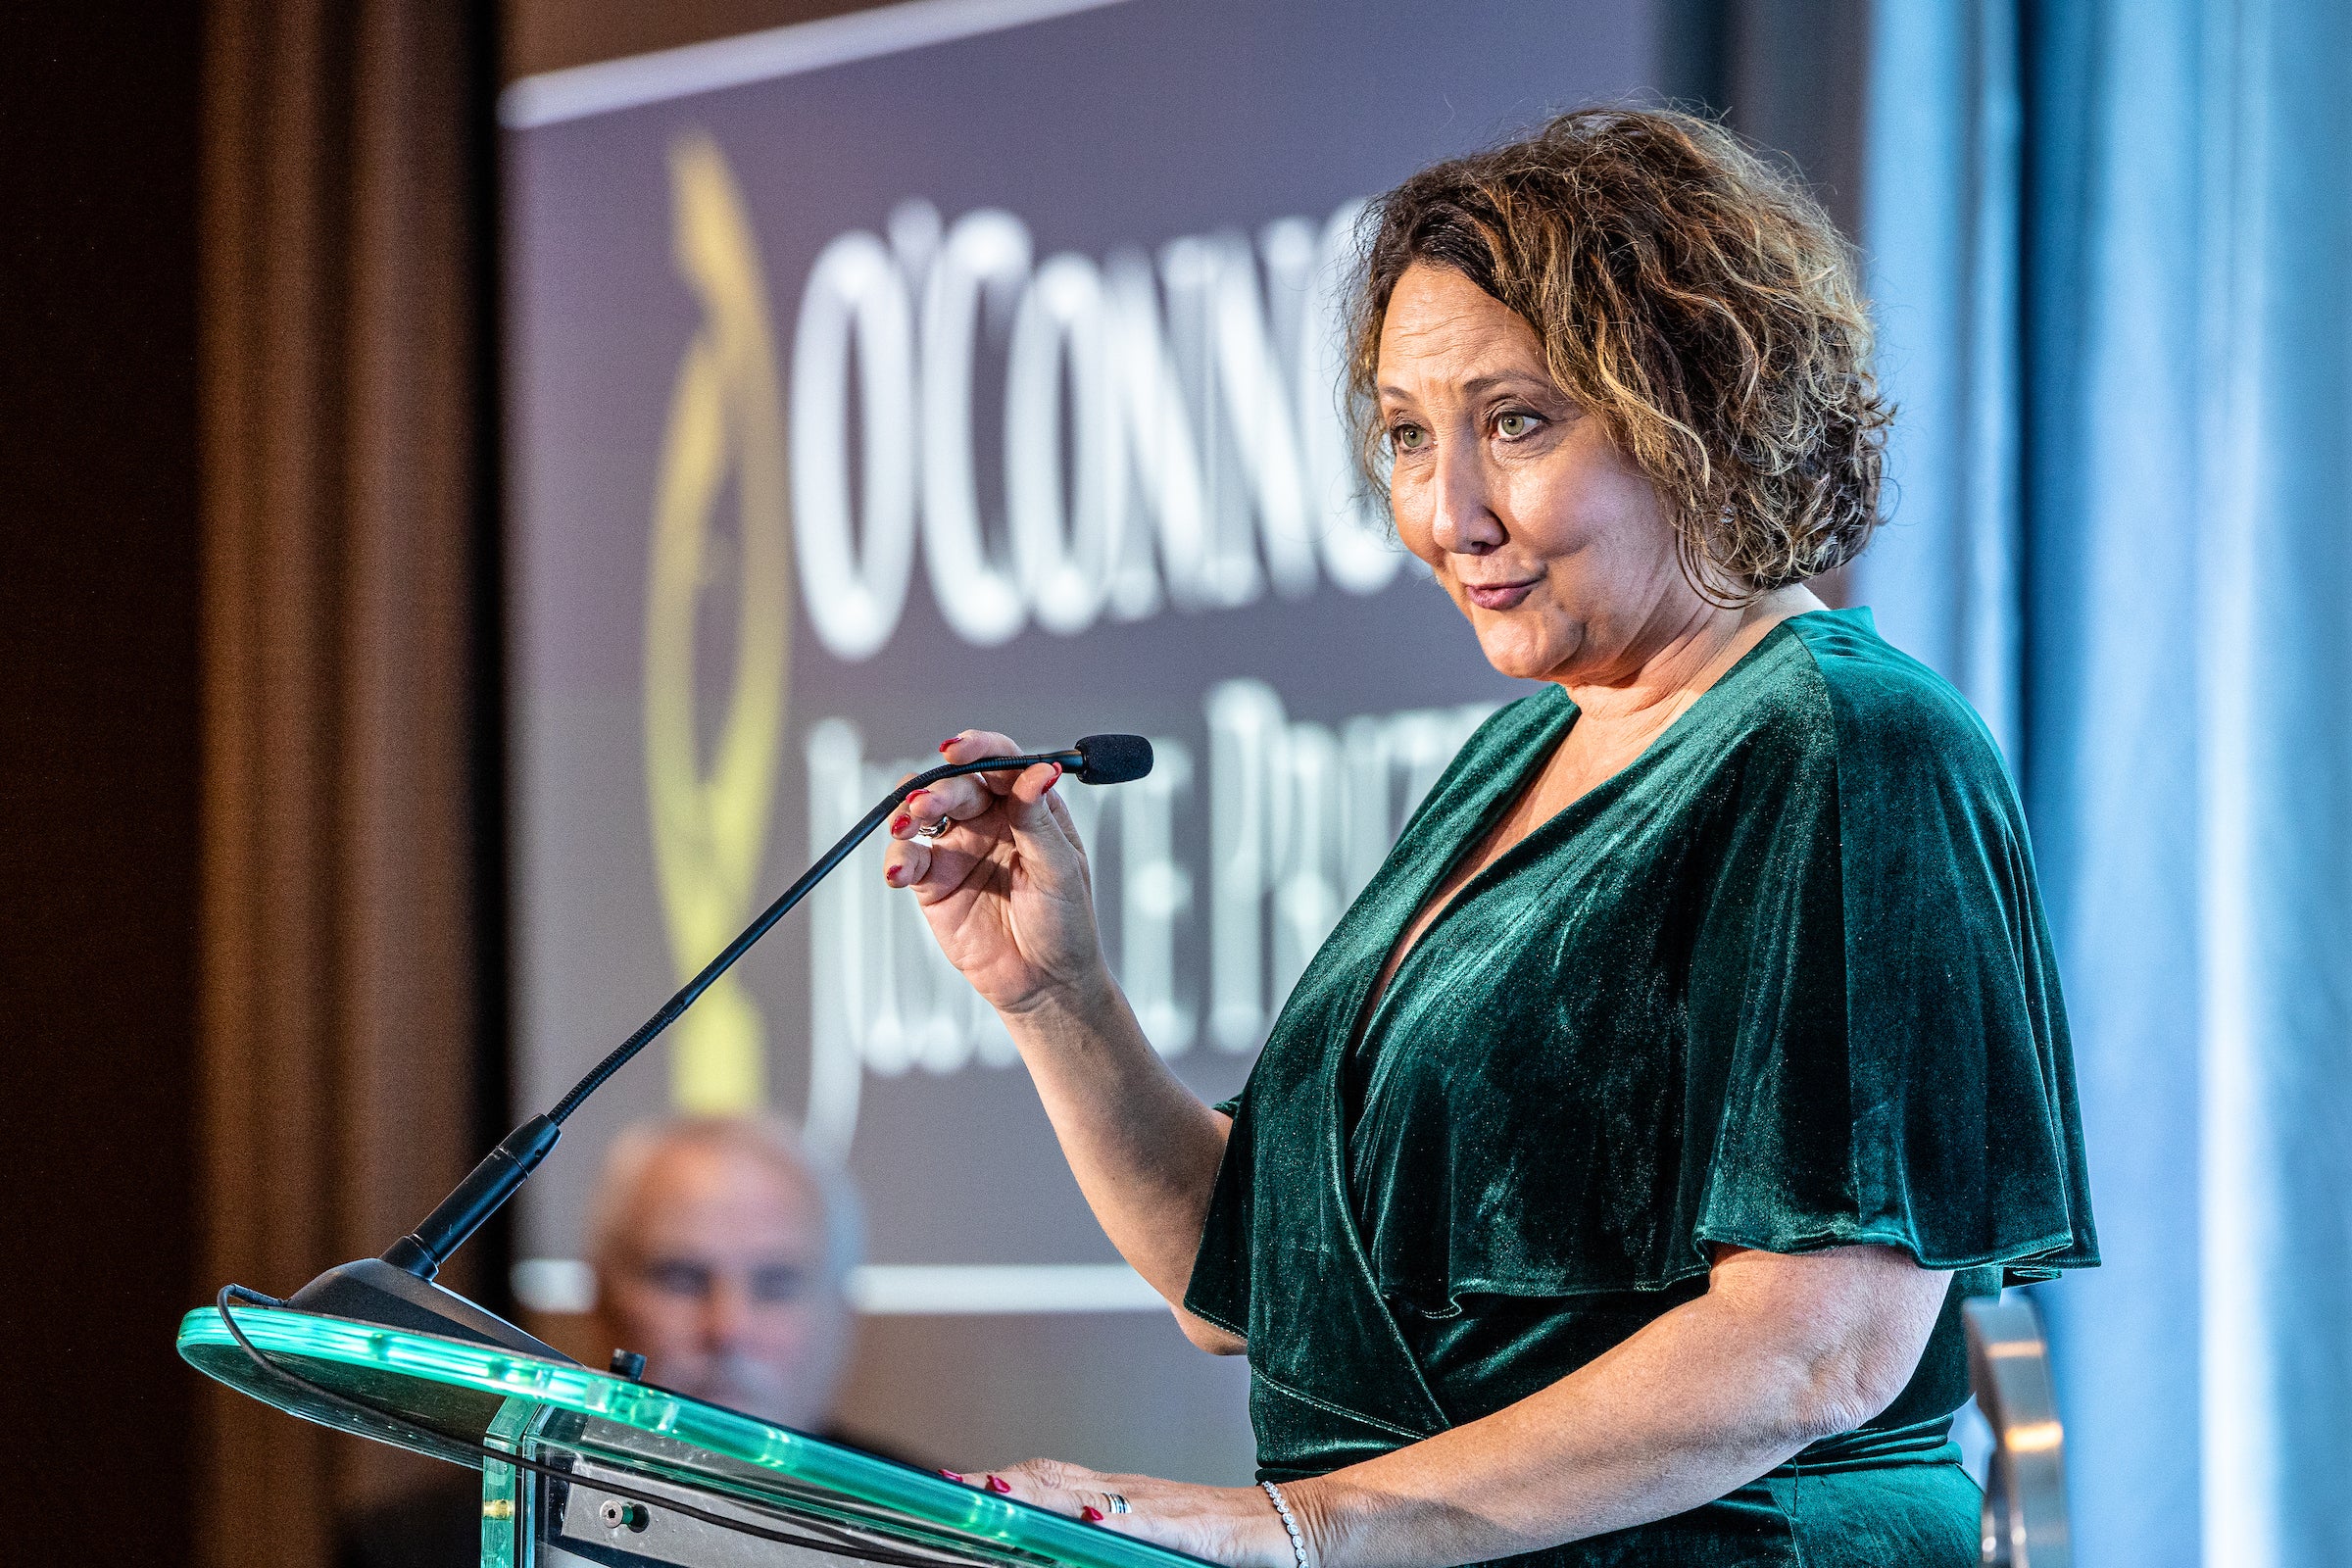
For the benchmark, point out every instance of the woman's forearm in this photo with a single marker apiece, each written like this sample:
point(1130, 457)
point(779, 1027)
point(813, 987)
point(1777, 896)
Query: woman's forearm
point(1144, 1148)
point(1700, 1401)
point(1650, 1430)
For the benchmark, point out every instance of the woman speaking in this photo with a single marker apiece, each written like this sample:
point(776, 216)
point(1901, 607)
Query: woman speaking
point(1609, 1185)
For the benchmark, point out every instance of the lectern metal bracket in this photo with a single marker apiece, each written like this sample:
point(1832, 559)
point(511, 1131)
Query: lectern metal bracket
point(2025, 1489)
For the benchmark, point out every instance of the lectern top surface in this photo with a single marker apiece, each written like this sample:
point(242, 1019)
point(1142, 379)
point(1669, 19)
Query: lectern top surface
point(455, 1391)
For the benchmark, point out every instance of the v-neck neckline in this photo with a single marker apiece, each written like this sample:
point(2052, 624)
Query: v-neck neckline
point(1392, 963)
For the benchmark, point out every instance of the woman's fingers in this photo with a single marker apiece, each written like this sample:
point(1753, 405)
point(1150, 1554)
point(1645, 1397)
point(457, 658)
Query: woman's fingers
point(967, 796)
point(926, 808)
point(928, 813)
point(972, 746)
point(959, 798)
point(905, 862)
point(1025, 798)
point(1230, 1525)
point(1050, 1484)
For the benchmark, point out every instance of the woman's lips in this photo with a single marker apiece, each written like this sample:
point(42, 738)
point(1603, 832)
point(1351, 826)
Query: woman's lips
point(1500, 595)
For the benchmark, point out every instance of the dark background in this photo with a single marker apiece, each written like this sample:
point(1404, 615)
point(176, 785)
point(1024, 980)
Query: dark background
point(100, 709)
point(106, 686)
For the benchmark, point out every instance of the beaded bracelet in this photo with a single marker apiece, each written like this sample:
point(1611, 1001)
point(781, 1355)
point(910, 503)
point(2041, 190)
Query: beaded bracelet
point(1299, 1557)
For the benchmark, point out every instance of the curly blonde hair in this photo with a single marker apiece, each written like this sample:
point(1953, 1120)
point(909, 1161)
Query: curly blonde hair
point(1688, 294)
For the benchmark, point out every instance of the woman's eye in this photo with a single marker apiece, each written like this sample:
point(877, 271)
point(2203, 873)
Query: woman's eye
point(1511, 426)
point(1407, 437)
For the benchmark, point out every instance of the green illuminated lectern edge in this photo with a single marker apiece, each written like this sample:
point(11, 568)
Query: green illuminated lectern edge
point(749, 1479)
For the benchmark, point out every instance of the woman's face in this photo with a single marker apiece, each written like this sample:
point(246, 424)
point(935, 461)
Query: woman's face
point(1551, 542)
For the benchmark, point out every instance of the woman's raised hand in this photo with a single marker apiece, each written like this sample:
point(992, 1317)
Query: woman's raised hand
point(1006, 887)
point(1006, 893)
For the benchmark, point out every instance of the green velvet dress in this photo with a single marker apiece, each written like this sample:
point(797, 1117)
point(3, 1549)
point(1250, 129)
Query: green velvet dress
point(1784, 982)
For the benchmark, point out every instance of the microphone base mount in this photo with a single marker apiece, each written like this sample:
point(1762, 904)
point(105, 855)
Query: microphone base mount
point(373, 1291)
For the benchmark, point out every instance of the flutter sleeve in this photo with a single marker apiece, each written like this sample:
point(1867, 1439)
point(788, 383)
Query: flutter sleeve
point(1879, 1048)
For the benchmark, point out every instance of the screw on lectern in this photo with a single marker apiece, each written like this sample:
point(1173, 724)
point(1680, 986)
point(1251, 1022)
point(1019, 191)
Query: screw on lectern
point(628, 1365)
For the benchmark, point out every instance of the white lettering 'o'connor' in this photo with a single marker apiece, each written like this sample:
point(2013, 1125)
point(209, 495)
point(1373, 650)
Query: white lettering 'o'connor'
point(1171, 428)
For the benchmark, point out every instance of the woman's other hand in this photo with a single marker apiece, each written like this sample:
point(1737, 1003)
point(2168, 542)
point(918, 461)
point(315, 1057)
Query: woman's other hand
point(1231, 1525)
point(1005, 887)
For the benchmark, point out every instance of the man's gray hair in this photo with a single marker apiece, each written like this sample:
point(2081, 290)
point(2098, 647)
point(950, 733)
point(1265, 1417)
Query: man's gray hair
point(761, 1138)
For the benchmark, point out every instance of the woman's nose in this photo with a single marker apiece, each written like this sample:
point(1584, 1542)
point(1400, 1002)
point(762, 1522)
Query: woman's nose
point(1463, 521)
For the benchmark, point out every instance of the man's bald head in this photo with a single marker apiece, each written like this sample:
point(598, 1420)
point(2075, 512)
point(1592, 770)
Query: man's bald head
point(721, 1254)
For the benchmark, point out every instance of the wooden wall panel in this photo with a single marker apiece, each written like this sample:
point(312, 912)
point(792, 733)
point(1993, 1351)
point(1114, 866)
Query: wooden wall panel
point(345, 519)
point(552, 34)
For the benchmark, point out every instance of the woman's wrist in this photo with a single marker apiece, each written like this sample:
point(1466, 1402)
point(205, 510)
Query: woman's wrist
point(1294, 1535)
point(1311, 1503)
point(1081, 1004)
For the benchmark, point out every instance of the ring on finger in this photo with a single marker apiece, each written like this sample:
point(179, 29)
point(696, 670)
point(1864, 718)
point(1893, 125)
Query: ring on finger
point(935, 829)
point(1118, 1504)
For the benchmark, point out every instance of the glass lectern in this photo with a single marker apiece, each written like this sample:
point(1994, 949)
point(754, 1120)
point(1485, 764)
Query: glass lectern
point(641, 1476)
point(615, 1473)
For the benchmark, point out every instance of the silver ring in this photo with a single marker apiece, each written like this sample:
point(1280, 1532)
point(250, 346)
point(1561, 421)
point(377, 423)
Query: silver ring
point(1118, 1504)
point(936, 829)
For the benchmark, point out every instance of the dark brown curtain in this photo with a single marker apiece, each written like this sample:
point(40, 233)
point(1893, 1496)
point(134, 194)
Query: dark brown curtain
point(344, 504)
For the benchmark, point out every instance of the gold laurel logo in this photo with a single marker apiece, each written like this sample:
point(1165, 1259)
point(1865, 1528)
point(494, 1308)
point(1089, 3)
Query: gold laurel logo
point(710, 828)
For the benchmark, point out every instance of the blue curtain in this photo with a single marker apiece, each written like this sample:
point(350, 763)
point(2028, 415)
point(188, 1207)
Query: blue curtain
point(2111, 245)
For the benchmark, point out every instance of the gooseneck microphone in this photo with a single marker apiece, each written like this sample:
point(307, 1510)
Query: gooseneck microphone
point(397, 1291)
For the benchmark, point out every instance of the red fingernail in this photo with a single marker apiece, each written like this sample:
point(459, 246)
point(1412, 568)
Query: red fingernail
point(949, 741)
point(1091, 1514)
point(1056, 775)
point(892, 873)
point(997, 1483)
point(899, 823)
point(951, 1475)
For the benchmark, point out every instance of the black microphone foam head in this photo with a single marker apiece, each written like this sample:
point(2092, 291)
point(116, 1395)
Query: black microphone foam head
point(1113, 759)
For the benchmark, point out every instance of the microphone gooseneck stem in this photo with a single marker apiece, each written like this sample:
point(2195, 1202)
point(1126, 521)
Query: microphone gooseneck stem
point(475, 1200)
point(491, 1183)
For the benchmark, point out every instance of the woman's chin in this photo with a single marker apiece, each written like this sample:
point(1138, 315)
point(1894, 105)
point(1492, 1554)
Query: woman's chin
point(1519, 657)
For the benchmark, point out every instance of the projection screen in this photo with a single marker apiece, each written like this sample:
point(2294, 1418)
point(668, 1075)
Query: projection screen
point(966, 363)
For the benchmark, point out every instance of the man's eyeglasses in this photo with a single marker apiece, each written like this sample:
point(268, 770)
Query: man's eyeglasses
point(766, 1284)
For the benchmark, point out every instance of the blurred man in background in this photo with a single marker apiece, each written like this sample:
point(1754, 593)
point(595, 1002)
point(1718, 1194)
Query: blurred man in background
point(720, 1256)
